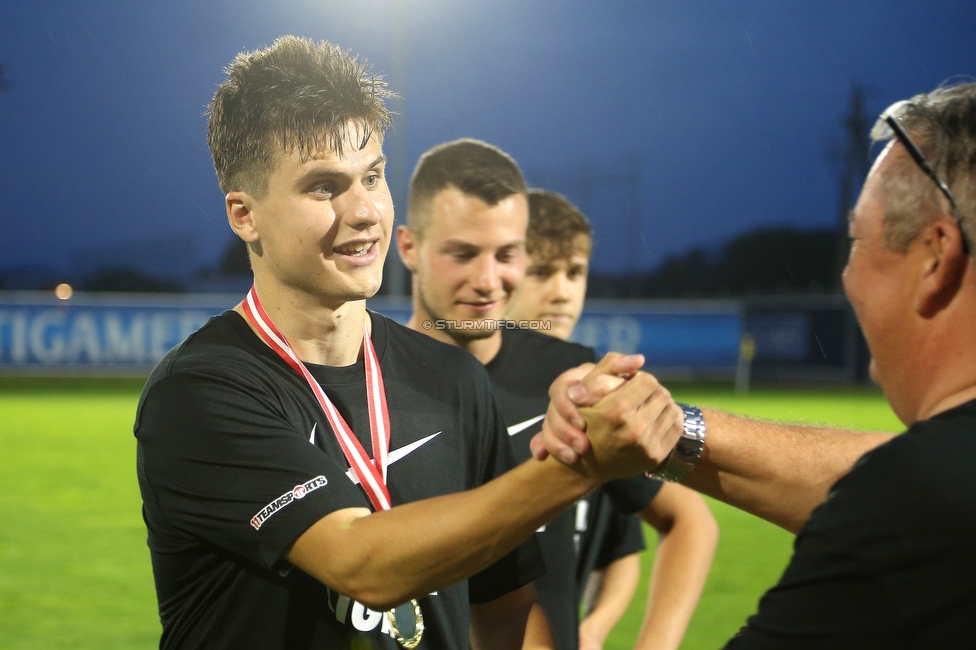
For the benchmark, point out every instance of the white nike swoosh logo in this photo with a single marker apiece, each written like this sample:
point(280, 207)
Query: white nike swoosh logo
point(522, 426)
point(311, 437)
point(398, 454)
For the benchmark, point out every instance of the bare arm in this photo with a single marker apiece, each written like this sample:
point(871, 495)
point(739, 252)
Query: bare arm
point(445, 539)
point(617, 584)
point(501, 623)
point(538, 633)
point(687, 537)
point(779, 472)
point(438, 541)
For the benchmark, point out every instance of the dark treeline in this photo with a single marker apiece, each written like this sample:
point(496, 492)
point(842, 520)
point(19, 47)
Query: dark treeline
point(761, 262)
point(771, 261)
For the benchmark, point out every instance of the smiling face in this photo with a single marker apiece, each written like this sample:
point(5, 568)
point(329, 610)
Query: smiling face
point(881, 286)
point(467, 261)
point(553, 290)
point(322, 229)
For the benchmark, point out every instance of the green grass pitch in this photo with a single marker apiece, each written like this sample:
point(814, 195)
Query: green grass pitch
point(751, 553)
point(74, 568)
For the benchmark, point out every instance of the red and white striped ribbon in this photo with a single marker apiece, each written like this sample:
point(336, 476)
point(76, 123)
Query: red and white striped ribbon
point(371, 472)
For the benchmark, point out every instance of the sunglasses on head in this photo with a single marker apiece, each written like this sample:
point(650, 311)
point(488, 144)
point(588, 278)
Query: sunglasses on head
point(888, 127)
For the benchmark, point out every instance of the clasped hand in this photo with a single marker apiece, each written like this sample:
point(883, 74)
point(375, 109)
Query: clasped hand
point(611, 416)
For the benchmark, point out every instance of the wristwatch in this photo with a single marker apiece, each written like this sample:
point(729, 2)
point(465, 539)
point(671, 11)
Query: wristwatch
point(685, 454)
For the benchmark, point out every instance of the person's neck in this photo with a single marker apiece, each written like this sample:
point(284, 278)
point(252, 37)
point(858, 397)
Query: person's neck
point(947, 384)
point(940, 373)
point(484, 350)
point(957, 398)
point(319, 333)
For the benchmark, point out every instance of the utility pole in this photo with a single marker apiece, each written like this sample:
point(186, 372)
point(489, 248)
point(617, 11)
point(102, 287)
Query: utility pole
point(396, 279)
point(856, 161)
point(635, 288)
point(588, 189)
point(4, 82)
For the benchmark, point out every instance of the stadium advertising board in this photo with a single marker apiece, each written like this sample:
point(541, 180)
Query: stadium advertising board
point(93, 335)
point(127, 334)
point(678, 339)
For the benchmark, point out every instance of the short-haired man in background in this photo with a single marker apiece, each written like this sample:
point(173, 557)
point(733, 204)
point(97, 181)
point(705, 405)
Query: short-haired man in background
point(465, 244)
point(884, 552)
point(306, 465)
point(558, 245)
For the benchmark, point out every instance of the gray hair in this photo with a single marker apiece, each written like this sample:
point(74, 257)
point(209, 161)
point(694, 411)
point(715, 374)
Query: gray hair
point(943, 125)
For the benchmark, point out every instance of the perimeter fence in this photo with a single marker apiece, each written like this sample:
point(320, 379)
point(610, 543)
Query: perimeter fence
point(813, 338)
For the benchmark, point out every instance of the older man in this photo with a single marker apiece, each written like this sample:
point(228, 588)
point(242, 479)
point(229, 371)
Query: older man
point(886, 561)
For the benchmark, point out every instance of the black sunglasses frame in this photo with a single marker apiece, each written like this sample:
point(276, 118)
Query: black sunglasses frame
point(899, 131)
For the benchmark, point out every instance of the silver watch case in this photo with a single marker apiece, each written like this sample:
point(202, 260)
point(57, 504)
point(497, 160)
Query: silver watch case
point(686, 453)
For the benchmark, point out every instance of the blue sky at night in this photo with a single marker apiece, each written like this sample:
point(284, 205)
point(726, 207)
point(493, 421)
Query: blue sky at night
point(687, 121)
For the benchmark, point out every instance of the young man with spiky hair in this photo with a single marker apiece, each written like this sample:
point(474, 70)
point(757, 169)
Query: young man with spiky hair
point(465, 245)
point(313, 474)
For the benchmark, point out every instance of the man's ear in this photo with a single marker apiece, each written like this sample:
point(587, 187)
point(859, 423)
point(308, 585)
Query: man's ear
point(239, 207)
point(407, 242)
point(944, 265)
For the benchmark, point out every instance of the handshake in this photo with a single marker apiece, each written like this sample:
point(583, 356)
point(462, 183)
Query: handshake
point(612, 418)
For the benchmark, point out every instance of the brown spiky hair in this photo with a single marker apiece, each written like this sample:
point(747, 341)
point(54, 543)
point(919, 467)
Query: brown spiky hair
point(557, 228)
point(296, 95)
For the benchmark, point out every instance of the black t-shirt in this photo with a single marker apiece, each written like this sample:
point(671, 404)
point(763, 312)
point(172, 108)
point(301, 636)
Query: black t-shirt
point(236, 460)
point(606, 528)
point(599, 529)
point(887, 561)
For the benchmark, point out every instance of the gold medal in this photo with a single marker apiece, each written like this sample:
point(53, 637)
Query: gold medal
point(407, 624)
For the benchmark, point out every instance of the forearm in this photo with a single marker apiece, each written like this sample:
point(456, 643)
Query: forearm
point(775, 471)
point(681, 563)
point(617, 587)
point(385, 558)
point(388, 557)
point(538, 633)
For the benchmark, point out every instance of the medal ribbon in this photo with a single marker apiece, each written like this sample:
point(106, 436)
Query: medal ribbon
point(371, 472)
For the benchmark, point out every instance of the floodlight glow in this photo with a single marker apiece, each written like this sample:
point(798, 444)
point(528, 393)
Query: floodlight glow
point(63, 291)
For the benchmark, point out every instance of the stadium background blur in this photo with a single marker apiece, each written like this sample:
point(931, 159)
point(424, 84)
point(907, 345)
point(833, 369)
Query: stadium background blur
point(716, 149)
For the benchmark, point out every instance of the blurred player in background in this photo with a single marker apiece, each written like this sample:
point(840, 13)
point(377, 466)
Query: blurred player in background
point(465, 244)
point(558, 245)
